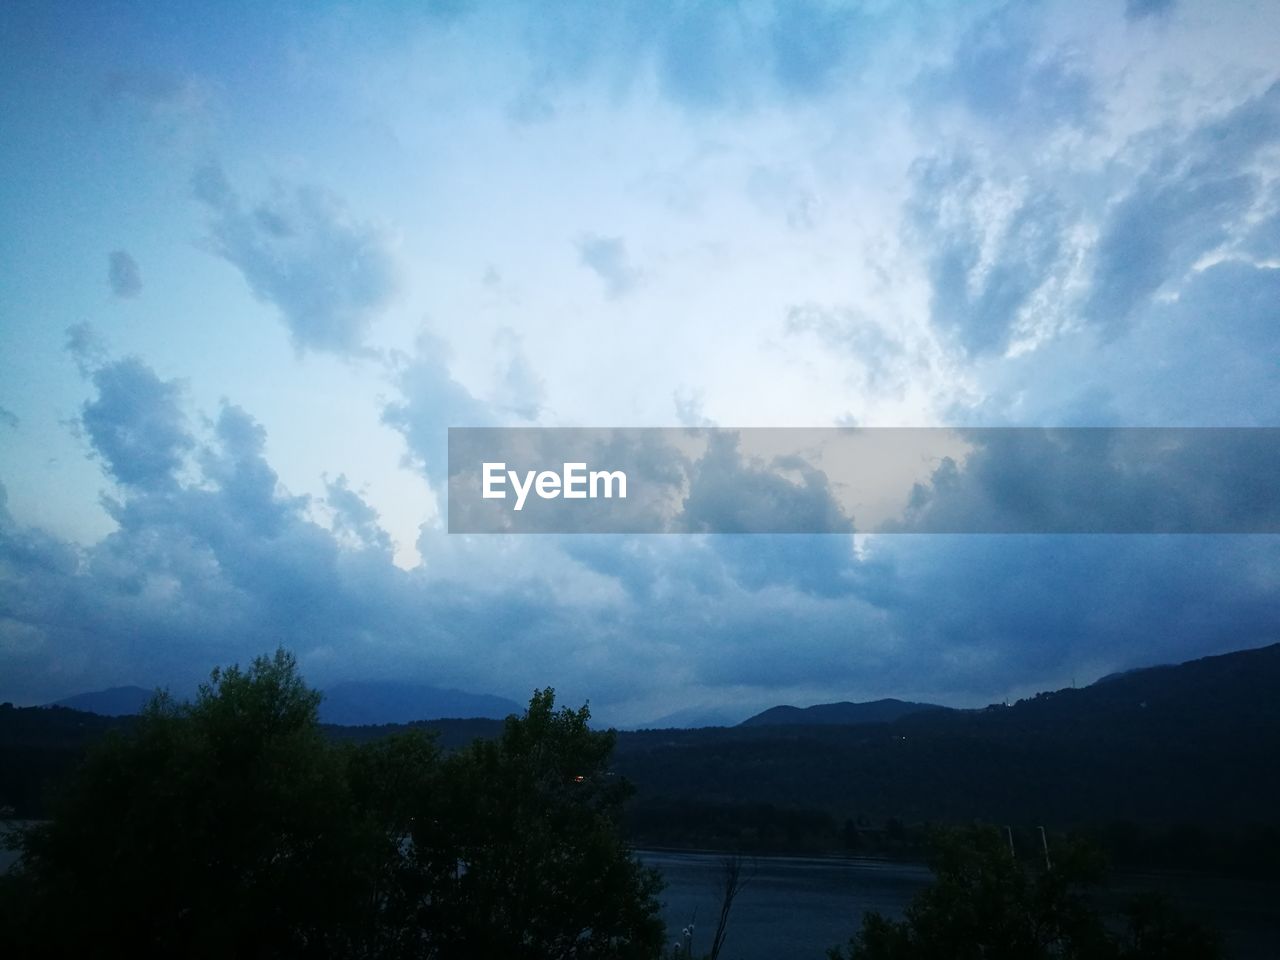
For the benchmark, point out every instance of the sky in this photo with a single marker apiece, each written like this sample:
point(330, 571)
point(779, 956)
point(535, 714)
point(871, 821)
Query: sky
point(258, 258)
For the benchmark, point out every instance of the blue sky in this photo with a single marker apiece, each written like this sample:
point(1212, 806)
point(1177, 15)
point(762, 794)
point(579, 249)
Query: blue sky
point(258, 260)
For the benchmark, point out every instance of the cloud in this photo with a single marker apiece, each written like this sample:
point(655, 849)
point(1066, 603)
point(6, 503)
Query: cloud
point(1104, 481)
point(9, 418)
point(430, 401)
point(607, 258)
point(520, 390)
point(983, 266)
point(1141, 9)
point(136, 424)
point(1206, 358)
point(1000, 74)
point(123, 275)
point(881, 362)
point(703, 57)
point(223, 563)
point(354, 517)
point(328, 274)
point(1190, 201)
point(730, 494)
point(689, 408)
point(86, 348)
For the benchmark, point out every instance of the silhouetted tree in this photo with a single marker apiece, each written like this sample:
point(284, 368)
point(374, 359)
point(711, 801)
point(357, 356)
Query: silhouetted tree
point(985, 904)
point(216, 828)
point(520, 851)
point(230, 827)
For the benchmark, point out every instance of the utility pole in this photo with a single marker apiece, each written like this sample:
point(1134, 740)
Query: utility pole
point(1044, 842)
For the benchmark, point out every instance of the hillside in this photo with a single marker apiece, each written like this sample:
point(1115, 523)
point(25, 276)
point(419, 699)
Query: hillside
point(1193, 744)
point(843, 713)
point(1197, 743)
point(112, 702)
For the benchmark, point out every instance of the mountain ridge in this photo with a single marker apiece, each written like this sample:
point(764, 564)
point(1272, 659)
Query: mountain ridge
point(841, 713)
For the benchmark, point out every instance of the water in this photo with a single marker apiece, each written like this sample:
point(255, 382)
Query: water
point(798, 908)
point(791, 907)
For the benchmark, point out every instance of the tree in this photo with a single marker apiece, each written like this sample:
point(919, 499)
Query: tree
point(215, 828)
point(985, 904)
point(231, 827)
point(521, 848)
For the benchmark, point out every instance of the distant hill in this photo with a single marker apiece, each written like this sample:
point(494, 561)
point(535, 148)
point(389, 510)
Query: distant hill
point(1195, 743)
point(353, 704)
point(693, 717)
point(1198, 742)
point(843, 713)
point(361, 703)
point(112, 702)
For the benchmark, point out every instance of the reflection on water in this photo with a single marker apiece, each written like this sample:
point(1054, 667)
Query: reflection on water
point(792, 907)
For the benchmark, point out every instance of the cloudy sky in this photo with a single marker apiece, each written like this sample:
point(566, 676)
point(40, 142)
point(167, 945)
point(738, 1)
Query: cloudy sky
point(257, 261)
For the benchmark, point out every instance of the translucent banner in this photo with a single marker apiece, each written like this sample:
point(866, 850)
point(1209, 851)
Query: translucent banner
point(867, 480)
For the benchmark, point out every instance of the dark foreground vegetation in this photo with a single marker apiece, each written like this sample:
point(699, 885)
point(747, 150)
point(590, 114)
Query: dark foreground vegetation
point(237, 825)
point(231, 827)
point(985, 904)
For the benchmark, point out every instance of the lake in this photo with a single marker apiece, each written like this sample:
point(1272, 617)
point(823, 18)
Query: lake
point(792, 906)
point(798, 907)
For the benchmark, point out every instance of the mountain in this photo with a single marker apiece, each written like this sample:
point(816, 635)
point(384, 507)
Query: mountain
point(843, 713)
point(1193, 743)
point(360, 703)
point(112, 702)
point(690, 718)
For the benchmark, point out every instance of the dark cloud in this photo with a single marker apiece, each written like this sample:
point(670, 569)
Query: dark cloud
point(607, 258)
point(1135, 480)
point(328, 274)
point(227, 564)
point(730, 494)
point(431, 402)
point(1206, 358)
point(123, 275)
point(981, 274)
point(354, 517)
point(136, 424)
point(1190, 200)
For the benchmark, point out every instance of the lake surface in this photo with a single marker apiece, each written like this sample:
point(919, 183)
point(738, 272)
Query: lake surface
point(792, 906)
point(798, 908)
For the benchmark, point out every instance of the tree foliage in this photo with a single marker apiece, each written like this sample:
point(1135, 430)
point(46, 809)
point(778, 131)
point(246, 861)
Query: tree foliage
point(986, 905)
point(231, 827)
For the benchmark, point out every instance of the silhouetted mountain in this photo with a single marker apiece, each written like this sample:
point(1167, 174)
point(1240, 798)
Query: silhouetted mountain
point(1192, 744)
point(113, 702)
point(1197, 743)
point(359, 703)
point(692, 718)
point(843, 713)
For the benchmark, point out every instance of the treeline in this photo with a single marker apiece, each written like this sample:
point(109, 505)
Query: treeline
point(235, 825)
point(232, 826)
